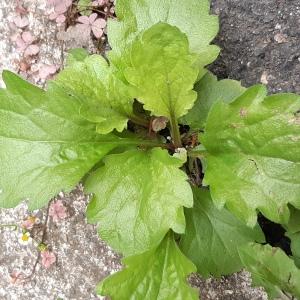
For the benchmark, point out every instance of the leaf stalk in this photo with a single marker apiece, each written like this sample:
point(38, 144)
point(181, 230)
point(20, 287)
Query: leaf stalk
point(139, 120)
point(175, 133)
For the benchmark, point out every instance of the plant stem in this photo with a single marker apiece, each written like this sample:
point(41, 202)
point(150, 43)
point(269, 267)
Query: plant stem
point(195, 154)
point(175, 133)
point(42, 241)
point(9, 225)
point(139, 120)
point(198, 152)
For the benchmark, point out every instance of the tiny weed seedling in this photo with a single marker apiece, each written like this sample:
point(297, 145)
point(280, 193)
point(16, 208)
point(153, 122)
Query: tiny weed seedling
point(179, 164)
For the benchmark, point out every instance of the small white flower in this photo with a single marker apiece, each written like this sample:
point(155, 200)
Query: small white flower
point(25, 238)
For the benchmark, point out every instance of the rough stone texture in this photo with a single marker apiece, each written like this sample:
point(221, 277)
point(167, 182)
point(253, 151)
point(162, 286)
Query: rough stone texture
point(82, 258)
point(260, 43)
point(41, 28)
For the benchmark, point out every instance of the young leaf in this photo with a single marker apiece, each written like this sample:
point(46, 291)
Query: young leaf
point(253, 160)
point(135, 16)
point(209, 91)
point(45, 146)
point(83, 5)
point(213, 236)
point(138, 196)
point(105, 99)
point(161, 68)
point(159, 274)
point(272, 269)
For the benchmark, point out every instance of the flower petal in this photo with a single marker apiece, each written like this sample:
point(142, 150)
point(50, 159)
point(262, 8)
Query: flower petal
point(47, 70)
point(100, 23)
point(60, 8)
point(92, 18)
point(98, 32)
point(48, 258)
point(21, 22)
point(57, 210)
point(84, 20)
point(27, 37)
point(21, 45)
point(68, 3)
point(32, 50)
point(60, 19)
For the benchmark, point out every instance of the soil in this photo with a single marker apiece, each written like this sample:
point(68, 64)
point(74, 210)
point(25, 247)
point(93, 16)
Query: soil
point(259, 42)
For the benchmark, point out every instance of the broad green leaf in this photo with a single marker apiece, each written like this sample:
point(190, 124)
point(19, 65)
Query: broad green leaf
point(293, 232)
point(162, 70)
point(209, 91)
point(159, 274)
point(104, 99)
point(293, 225)
point(295, 246)
point(253, 160)
point(45, 145)
point(138, 196)
point(213, 236)
point(190, 16)
point(76, 55)
point(272, 269)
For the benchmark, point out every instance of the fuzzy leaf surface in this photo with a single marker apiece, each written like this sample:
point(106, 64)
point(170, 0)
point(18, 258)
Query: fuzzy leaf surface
point(159, 274)
point(104, 99)
point(209, 91)
point(272, 269)
point(253, 160)
point(45, 145)
point(138, 197)
point(135, 16)
point(161, 68)
point(213, 236)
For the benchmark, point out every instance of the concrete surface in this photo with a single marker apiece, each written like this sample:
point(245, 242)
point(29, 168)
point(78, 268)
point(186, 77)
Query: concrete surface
point(260, 41)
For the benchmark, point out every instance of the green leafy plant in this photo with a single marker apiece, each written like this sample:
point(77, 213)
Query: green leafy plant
point(172, 205)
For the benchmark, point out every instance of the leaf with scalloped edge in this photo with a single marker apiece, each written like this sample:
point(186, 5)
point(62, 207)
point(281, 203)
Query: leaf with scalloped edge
point(138, 196)
point(272, 269)
point(295, 246)
point(104, 98)
point(293, 224)
point(192, 17)
point(253, 154)
point(213, 236)
point(161, 68)
point(159, 274)
point(293, 233)
point(76, 55)
point(45, 145)
point(210, 90)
